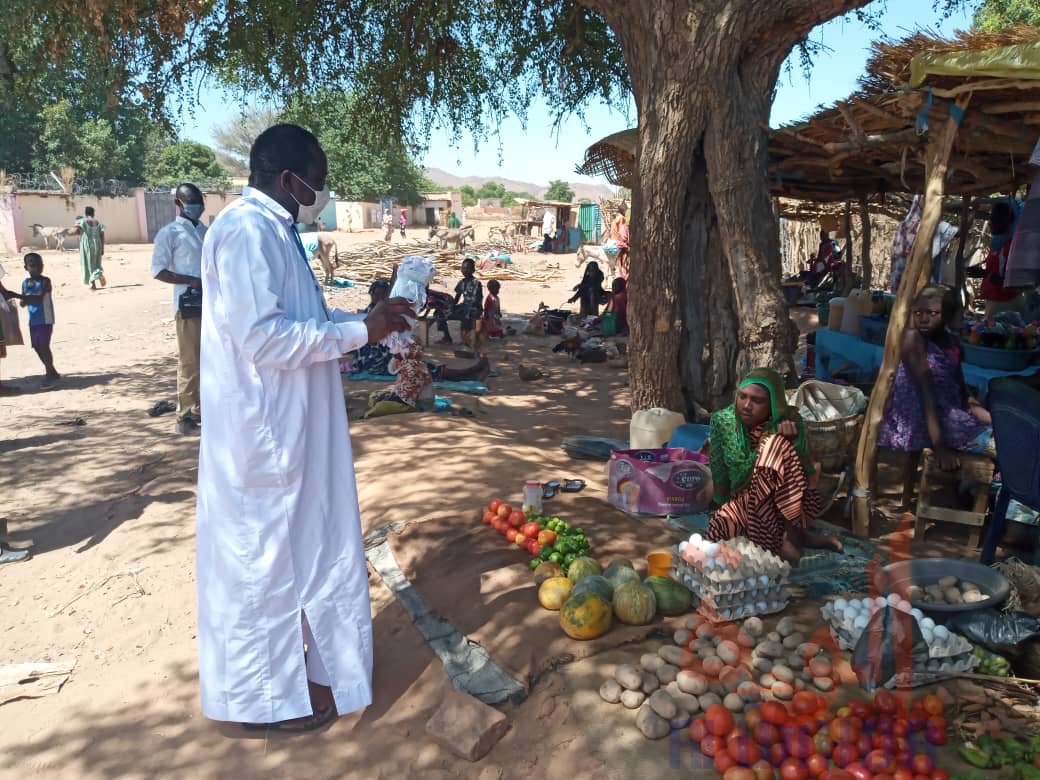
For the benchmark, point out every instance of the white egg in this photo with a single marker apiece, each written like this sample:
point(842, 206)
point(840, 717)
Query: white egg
point(929, 638)
point(696, 539)
point(941, 633)
point(840, 603)
point(892, 599)
point(711, 547)
point(917, 613)
point(682, 546)
point(879, 601)
point(927, 623)
point(904, 606)
point(860, 623)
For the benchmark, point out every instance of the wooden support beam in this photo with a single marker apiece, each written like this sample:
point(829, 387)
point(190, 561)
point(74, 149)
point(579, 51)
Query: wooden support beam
point(864, 234)
point(857, 129)
point(874, 139)
point(895, 119)
point(963, 229)
point(847, 285)
point(918, 266)
point(980, 86)
point(1014, 107)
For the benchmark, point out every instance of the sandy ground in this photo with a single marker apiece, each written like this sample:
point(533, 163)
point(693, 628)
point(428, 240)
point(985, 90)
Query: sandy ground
point(110, 507)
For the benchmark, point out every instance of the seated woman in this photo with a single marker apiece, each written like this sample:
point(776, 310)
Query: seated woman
point(760, 465)
point(618, 304)
point(929, 405)
point(589, 290)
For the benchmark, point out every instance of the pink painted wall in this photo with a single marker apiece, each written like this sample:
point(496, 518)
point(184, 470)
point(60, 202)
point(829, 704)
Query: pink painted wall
point(9, 223)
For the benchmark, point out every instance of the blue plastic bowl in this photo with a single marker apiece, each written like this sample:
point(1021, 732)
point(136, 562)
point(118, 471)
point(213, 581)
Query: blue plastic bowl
point(1000, 359)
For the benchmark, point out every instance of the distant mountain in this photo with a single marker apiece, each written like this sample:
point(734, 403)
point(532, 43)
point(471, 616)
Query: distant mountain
point(593, 192)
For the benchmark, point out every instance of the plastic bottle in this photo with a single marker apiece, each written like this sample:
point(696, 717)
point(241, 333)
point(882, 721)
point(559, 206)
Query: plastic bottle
point(857, 305)
point(532, 496)
point(652, 428)
point(837, 313)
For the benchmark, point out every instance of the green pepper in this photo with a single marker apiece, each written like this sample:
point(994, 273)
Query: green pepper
point(976, 756)
point(1026, 772)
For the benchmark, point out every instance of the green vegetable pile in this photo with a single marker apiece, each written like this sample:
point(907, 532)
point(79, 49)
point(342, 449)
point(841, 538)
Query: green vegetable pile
point(1020, 755)
point(991, 663)
point(570, 542)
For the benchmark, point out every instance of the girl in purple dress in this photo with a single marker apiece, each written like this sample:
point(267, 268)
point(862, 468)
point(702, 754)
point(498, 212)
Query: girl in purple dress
point(929, 405)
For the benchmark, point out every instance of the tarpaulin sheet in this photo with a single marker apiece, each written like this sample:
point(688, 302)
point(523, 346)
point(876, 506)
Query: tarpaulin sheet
point(1021, 61)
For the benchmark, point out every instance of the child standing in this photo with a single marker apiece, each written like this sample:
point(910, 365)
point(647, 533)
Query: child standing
point(36, 297)
point(491, 322)
point(466, 307)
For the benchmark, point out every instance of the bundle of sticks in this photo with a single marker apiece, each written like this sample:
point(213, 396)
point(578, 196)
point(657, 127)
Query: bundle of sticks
point(998, 706)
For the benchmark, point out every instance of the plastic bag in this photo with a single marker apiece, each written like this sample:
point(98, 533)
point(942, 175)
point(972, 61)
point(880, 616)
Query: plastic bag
point(891, 644)
point(998, 632)
point(592, 447)
point(414, 275)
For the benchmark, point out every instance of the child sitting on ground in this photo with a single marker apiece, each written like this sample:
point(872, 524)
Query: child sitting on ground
point(619, 305)
point(36, 296)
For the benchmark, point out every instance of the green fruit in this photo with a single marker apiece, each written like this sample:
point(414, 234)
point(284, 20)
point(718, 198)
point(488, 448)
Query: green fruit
point(556, 557)
point(545, 553)
point(568, 559)
point(634, 603)
point(534, 563)
point(672, 597)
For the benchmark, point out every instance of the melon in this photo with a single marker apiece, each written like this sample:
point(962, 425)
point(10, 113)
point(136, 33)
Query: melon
point(586, 616)
point(548, 569)
point(634, 603)
point(595, 584)
point(672, 597)
point(583, 567)
point(554, 592)
point(620, 571)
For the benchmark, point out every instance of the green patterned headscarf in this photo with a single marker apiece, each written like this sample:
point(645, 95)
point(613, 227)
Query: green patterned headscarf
point(733, 454)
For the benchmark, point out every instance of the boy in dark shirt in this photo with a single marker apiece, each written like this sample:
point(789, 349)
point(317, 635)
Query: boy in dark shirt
point(467, 306)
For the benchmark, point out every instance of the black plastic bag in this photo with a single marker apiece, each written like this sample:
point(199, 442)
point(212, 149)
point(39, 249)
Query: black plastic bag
point(891, 644)
point(998, 632)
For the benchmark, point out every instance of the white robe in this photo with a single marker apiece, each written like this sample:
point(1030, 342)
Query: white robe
point(279, 532)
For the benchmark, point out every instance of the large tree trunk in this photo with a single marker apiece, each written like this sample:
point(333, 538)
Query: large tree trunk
point(705, 297)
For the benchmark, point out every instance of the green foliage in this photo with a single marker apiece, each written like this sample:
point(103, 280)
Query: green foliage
point(559, 190)
point(363, 165)
point(998, 14)
point(90, 147)
point(469, 195)
point(491, 189)
point(187, 161)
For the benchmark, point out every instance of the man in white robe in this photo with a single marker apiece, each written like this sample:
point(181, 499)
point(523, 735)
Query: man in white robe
point(280, 554)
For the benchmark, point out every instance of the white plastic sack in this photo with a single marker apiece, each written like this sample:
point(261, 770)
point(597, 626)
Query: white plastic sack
point(818, 401)
point(414, 275)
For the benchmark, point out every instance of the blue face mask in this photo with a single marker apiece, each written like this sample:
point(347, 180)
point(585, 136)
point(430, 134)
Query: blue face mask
point(193, 211)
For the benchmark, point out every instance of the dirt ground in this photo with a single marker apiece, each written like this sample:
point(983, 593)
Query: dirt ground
point(107, 494)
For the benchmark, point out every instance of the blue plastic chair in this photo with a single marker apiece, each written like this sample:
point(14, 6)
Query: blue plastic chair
point(1016, 429)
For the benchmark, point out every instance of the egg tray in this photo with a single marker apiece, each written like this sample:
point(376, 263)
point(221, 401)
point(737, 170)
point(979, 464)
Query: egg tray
point(709, 612)
point(773, 568)
point(847, 636)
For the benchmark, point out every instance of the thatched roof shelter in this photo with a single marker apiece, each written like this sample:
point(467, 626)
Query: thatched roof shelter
point(873, 141)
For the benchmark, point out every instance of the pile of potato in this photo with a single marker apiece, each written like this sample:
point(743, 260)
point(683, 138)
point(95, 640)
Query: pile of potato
point(948, 590)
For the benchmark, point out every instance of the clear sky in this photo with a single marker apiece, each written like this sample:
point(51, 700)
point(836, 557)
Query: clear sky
point(537, 154)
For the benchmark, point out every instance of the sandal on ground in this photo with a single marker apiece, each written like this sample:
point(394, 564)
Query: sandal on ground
point(162, 407)
point(550, 488)
point(297, 725)
point(573, 485)
point(7, 555)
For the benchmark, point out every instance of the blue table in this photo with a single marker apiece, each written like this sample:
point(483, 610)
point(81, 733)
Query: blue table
point(835, 349)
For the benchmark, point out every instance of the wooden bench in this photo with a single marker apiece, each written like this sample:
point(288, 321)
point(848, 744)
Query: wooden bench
point(975, 470)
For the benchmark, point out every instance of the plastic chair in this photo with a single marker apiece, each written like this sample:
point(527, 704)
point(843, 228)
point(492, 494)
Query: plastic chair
point(1016, 429)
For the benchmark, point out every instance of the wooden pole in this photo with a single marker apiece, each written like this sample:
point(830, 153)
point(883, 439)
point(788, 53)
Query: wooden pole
point(963, 229)
point(864, 226)
point(847, 286)
point(918, 268)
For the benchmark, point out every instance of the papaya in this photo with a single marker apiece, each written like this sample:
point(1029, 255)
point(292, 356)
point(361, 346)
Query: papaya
point(554, 592)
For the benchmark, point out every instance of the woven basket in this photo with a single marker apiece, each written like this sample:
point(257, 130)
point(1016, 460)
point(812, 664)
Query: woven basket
point(832, 441)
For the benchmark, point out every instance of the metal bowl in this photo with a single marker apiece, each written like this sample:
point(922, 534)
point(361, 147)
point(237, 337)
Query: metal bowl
point(928, 571)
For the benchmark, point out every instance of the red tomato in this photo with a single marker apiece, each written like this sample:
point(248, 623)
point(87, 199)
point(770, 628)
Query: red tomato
point(939, 774)
point(807, 724)
point(519, 539)
point(489, 516)
point(744, 749)
point(777, 754)
point(511, 534)
point(858, 771)
point(901, 727)
point(836, 774)
point(878, 761)
point(804, 702)
point(845, 754)
point(886, 742)
point(765, 733)
point(843, 730)
point(933, 705)
point(884, 702)
point(793, 769)
point(719, 720)
point(922, 764)
point(903, 774)
point(504, 511)
point(698, 730)
point(861, 709)
point(882, 776)
point(711, 745)
point(531, 530)
point(516, 519)
point(774, 712)
point(866, 743)
point(724, 761)
point(547, 537)
point(494, 505)
point(935, 731)
point(763, 770)
point(740, 773)
point(921, 777)
point(817, 765)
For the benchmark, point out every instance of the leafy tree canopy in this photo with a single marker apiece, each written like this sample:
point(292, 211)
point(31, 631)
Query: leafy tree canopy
point(998, 14)
point(559, 190)
point(187, 161)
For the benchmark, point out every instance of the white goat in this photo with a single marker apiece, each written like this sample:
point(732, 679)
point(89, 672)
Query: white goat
point(59, 234)
point(588, 252)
